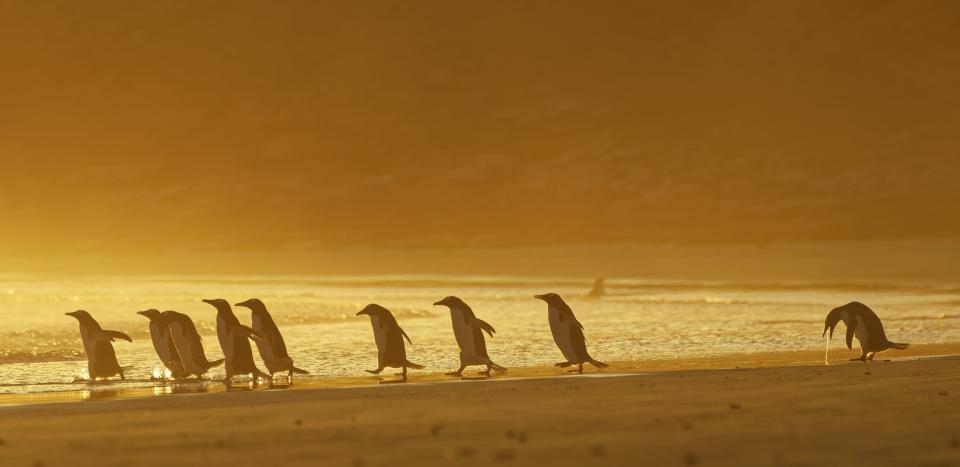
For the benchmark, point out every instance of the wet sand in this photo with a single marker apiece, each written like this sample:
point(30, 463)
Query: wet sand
point(901, 412)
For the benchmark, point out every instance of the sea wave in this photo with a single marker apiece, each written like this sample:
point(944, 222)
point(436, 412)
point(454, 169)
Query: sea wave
point(58, 355)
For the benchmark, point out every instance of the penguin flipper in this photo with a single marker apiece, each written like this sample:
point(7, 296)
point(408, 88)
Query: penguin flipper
point(215, 363)
point(850, 333)
point(111, 336)
point(405, 335)
point(249, 332)
point(597, 363)
point(485, 326)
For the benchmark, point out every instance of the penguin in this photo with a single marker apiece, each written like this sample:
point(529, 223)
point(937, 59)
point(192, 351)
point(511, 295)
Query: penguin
point(233, 340)
point(163, 343)
point(389, 338)
point(189, 344)
point(97, 344)
point(468, 330)
point(568, 333)
point(272, 349)
point(598, 290)
point(863, 323)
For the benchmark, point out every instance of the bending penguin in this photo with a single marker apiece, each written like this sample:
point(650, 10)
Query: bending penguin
point(863, 323)
point(189, 344)
point(97, 344)
point(568, 333)
point(272, 349)
point(468, 330)
point(233, 340)
point(388, 335)
point(163, 343)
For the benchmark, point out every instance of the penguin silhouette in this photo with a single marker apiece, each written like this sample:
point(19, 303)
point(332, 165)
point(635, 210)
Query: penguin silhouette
point(97, 344)
point(189, 344)
point(468, 330)
point(388, 335)
point(163, 343)
point(599, 289)
point(568, 333)
point(272, 349)
point(863, 323)
point(233, 337)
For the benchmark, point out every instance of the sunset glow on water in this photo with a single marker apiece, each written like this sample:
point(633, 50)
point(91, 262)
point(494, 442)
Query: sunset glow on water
point(637, 319)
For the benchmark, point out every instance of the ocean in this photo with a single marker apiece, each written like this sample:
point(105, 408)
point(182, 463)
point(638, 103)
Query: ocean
point(638, 319)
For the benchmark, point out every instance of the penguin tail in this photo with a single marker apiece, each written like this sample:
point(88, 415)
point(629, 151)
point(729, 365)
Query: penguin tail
point(495, 367)
point(299, 371)
point(597, 364)
point(898, 346)
point(410, 364)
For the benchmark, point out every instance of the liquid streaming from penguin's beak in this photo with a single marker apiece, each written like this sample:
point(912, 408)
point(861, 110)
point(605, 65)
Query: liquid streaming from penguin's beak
point(826, 353)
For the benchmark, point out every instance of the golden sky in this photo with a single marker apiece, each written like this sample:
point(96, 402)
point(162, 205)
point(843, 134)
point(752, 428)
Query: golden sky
point(197, 125)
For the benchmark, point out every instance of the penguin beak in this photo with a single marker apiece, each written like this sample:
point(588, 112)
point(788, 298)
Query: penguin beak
point(208, 301)
point(363, 312)
point(540, 297)
point(72, 313)
point(438, 303)
point(142, 313)
point(244, 304)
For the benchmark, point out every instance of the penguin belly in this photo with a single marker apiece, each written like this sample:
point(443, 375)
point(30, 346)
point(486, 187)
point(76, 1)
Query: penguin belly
point(227, 345)
point(273, 360)
point(561, 335)
point(163, 344)
point(98, 356)
point(467, 340)
point(105, 364)
point(187, 349)
point(863, 336)
point(390, 350)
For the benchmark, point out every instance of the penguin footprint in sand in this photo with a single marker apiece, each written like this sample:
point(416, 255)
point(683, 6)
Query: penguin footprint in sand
point(97, 344)
point(468, 330)
point(388, 335)
point(272, 349)
point(568, 333)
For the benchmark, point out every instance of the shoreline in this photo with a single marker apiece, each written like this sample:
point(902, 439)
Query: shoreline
point(898, 412)
point(115, 390)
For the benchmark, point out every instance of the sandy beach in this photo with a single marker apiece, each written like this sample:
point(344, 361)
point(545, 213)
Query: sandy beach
point(778, 409)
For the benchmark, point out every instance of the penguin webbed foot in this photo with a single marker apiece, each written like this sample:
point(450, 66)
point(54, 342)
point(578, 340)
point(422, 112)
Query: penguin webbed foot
point(454, 373)
point(374, 372)
point(562, 364)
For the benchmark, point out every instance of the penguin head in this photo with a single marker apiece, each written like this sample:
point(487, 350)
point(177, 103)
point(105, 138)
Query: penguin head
point(218, 303)
point(373, 309)
point(171, 317)
point(551, 298)
point(152, 314)
point(254, 304)
point(831, 322)
point(81, 315)
point(452, 302)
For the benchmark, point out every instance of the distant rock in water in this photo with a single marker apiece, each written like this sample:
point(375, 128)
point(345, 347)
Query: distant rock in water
point(598, 290)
